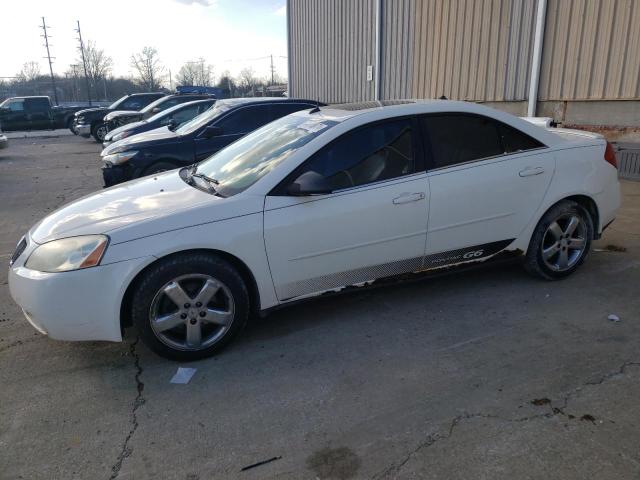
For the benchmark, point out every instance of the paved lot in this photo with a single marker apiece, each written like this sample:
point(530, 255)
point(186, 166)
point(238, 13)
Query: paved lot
point(488, 374)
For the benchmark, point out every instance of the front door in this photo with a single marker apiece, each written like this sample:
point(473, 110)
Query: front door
point(372, 225)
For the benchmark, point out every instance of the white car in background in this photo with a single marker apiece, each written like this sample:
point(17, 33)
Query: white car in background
point(313, 202)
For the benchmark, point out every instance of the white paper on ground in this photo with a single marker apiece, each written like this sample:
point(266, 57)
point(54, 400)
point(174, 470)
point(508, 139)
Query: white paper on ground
point(183, 375)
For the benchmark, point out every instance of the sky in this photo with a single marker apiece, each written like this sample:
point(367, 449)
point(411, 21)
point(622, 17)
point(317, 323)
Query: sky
point(229, 34)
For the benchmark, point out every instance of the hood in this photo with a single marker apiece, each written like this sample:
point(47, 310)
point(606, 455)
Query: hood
point(121, 113)
point(128, 126)
point(130, 204)
point(157, 136)
point(88, 111)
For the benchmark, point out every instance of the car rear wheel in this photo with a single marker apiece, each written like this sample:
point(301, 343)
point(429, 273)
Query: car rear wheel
point(99, 132)
point(189, 306)
point(560, 242)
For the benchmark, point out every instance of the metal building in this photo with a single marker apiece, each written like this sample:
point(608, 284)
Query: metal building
point(577, 60)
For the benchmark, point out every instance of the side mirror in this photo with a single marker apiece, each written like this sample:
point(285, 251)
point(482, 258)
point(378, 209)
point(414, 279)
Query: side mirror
point(212, 131)
point(309, 183)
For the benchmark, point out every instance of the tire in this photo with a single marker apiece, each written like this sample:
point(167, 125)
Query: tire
point(159, 167)
point(99, 131)
point(156, 296)
point(559, 245)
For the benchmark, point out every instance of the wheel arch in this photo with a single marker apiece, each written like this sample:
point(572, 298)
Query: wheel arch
point(170, 160)
point(237, 263)
point(591, 207)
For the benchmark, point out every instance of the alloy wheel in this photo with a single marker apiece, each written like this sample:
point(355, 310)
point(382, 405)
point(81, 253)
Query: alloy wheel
point(192, 312)
point(564, 242)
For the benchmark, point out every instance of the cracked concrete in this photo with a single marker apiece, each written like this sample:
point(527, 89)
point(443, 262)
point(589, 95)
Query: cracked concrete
point(434, 379)
point(137, 403)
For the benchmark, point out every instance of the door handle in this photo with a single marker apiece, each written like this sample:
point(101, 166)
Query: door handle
point(408, 197)
point(529, 171)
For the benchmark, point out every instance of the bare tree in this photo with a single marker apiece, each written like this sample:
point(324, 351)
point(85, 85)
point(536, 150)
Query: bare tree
point(149, 70)
point(226, 82)
point(99, 64)
point(29, 72)
point(247, 78)
point(196, 73)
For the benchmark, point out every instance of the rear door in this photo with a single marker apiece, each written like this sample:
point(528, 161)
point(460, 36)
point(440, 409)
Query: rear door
point(487, 180)
point(373, 223)
point(39, 113)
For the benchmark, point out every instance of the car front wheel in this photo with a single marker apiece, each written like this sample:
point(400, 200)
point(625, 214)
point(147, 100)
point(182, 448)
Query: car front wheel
point(189, 306)
point(99, 132)
point(560, 242)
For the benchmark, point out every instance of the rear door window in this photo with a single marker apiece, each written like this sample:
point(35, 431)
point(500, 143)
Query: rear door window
point(516, 141)
point(245, 120)
point(456, 138)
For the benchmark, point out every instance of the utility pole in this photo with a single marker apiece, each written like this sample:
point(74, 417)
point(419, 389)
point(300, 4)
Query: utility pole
point(84, 62)
point(273, 71)
point(46, 44)
point(76, 94)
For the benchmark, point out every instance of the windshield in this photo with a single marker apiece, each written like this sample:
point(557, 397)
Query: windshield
point(163, 113)
point(115, 104)
point(194, 124)
point(244, 162)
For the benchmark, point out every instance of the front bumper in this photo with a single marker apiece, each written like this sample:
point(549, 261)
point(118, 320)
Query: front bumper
point(117, 174)
point(77, 305)
point(83, 130)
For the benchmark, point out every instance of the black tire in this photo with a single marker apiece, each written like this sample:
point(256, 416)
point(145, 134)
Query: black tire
point(159, 167)
point(99, 131)
point(563, 211)
point(170, 269)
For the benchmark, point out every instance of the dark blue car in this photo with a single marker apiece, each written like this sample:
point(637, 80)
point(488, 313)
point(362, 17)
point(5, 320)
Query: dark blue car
point(172, 117)
point(166, 148)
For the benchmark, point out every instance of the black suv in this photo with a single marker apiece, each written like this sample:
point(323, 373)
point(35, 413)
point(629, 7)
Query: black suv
point(89, 122)
point(165, 149)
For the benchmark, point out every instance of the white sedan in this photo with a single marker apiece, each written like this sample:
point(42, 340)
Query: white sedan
point(312, 203)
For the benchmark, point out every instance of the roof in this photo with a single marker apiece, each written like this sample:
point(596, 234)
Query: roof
point(249, 100)
point(368, 105)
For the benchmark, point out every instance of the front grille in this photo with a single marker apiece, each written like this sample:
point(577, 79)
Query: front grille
point(22, 244)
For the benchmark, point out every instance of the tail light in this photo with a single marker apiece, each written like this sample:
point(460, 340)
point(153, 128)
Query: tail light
point(610, 155)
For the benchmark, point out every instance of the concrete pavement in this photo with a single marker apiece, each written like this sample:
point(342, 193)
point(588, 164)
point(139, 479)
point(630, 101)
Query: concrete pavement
point(486, 374)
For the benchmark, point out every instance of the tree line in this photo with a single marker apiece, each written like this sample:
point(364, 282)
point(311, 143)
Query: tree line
point(148, 74)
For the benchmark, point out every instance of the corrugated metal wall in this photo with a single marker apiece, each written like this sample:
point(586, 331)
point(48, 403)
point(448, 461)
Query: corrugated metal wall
point(331, 44)
point(473, 49)
point(397, 48)
point(591, 50)
point(478, 50)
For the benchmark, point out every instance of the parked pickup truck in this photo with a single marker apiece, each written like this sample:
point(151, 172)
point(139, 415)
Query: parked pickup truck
point(90, 121)
point(35, 113)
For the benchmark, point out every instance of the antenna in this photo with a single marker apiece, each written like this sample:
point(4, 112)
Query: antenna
point(46, 44)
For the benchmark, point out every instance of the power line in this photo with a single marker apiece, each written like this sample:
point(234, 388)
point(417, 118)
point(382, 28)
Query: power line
point(46, 44)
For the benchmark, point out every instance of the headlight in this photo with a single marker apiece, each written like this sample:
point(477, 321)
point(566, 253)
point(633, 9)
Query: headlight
point(68, 254)
point(119, 158)
point(120, 136)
